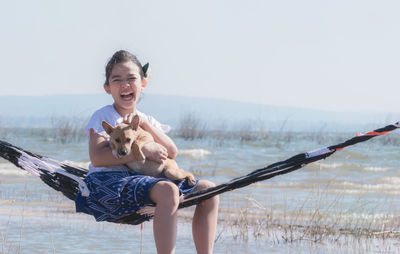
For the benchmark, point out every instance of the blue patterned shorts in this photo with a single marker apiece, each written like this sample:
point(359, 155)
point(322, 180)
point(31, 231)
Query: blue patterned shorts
point(117, 194)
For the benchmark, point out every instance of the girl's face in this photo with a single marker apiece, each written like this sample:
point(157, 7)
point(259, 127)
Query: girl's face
point(125, 85)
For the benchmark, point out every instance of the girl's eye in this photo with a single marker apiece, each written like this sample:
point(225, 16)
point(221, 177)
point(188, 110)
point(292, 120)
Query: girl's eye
point(128, 140)
point(118, 140)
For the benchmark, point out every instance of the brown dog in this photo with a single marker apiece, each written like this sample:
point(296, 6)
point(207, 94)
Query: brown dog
point(127, 138)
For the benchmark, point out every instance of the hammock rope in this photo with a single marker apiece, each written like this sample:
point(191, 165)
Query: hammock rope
point(68, 179)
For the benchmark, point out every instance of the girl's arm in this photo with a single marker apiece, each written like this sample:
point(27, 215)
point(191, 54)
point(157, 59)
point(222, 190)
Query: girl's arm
point(100, 152)
point(160, 138)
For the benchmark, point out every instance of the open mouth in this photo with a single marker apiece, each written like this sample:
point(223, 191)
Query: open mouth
point(127, 96)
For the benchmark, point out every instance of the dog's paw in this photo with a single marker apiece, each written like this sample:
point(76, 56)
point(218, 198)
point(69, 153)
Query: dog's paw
point(190, 179)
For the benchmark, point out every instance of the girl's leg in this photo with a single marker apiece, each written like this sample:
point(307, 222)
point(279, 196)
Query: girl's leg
point(166, 196)
point(205, 221)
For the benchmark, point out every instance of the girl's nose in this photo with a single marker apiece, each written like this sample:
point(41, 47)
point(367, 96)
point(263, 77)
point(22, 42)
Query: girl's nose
point(126, 84)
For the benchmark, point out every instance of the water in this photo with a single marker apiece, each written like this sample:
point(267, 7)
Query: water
point(355, 189)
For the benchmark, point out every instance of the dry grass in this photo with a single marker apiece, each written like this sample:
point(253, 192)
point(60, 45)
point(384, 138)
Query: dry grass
point(311, 222)
point(68, 130)
point(331, 224)
point(61, 130)
point(191, 127)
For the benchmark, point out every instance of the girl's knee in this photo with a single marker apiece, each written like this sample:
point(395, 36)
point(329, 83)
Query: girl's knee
point(203, 185)
point(165, 193)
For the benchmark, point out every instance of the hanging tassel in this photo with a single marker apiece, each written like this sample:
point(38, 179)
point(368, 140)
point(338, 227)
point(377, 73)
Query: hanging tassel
point(141, 238)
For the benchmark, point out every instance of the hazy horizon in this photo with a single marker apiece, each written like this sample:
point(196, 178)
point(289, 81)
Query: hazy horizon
point(170, 109)
point(393, 110)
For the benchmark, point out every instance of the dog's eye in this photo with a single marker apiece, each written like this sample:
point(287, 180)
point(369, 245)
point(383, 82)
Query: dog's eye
point(118, 140)
point(128, 140)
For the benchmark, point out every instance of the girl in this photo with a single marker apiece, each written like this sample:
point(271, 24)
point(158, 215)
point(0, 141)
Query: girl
point(115, 191)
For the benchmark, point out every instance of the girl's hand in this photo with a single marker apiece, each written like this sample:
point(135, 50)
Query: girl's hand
point(129, 117)
point(155, 152)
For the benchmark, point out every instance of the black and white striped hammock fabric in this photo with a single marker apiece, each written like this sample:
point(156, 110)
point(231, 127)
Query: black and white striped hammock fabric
point(68, 179)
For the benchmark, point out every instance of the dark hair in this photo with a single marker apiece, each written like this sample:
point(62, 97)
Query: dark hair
point(122, 56)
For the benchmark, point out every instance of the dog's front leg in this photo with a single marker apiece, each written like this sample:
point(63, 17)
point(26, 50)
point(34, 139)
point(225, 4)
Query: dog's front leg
point(137, 152)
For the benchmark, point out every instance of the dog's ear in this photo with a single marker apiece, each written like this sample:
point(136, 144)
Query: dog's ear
point(107, 127)
point(135, 122)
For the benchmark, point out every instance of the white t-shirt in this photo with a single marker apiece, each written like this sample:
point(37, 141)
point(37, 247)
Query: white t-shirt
point(110, 115)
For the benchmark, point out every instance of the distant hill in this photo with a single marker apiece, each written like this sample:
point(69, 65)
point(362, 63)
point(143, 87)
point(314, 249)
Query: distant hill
point(38, 111)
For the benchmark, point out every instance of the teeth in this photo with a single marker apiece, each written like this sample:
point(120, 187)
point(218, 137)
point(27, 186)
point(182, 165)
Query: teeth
point(127, 96)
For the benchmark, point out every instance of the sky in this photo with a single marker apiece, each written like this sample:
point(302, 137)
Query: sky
point(330, 55)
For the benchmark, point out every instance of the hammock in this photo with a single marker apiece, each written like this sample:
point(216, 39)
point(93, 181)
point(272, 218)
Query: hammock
point(68, 179)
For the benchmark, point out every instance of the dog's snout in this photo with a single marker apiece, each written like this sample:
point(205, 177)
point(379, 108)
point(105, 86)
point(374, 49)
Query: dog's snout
point(122, 152)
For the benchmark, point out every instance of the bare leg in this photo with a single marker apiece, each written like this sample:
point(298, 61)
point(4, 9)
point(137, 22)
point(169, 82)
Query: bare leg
point(166, 196)
point(205, 221)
